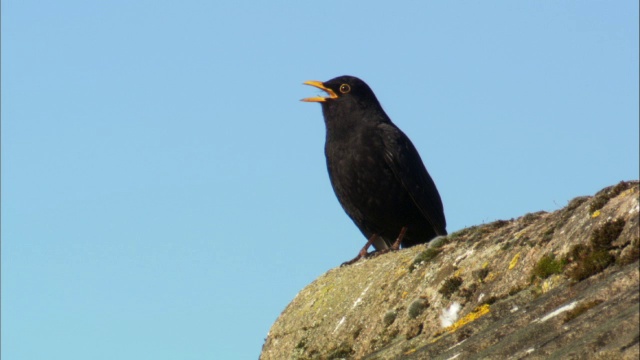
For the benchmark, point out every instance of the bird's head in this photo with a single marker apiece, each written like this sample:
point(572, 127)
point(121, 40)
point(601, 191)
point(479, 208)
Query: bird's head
point(343, 90)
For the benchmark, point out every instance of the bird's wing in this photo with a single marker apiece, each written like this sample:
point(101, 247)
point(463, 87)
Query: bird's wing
point(405, 162)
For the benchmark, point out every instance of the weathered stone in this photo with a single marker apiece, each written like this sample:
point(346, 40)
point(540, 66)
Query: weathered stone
point(546, 285)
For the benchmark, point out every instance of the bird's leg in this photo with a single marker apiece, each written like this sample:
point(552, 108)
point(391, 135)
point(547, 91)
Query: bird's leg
point(396, 244)
point(363, 252)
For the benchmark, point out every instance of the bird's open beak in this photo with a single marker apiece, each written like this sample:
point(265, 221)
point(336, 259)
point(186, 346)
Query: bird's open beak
point(320, 86)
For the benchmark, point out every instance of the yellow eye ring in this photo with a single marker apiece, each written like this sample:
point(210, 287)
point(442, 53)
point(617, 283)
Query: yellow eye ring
point(345, 88)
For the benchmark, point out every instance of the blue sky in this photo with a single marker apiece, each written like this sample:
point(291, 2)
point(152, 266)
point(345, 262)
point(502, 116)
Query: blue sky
point(164, 192)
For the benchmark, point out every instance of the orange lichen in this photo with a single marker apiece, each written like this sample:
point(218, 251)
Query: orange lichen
point(514, 261)
point(479, 312)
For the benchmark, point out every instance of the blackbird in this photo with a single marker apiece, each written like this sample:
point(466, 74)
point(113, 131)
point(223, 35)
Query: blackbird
point(376, 172)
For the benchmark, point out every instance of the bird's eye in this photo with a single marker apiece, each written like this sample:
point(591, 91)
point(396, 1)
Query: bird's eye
point(345, 88)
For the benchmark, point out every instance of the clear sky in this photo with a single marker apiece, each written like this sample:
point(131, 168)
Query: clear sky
point(164, 191)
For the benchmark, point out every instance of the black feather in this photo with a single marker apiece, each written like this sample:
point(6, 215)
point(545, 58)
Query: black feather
point(376, 172)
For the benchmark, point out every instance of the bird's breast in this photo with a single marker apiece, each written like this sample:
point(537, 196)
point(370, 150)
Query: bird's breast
point(363, 182)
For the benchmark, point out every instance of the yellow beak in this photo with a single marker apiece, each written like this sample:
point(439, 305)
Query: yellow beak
point(319, 85)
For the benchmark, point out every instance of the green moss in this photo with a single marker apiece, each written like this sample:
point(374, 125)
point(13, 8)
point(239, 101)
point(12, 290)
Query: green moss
point(439, 241)
point(496, 225)
point(547, 235)
point(602, 237)
point(603, 197)
point(581, 309)
point(424, 257)
point(577, 252)
point(389, 317)
point(592, 264)
point(506, 246)
point(598, 203)
point(547, 266)
point(481, 274)
point(478, 232)
point(531, 217)
point(450, 286)
point(575, 203)
point(464, 232)
point(417, 307)
point(600, 260)
point(630, 254)
point(592, 259)
point(344, 351)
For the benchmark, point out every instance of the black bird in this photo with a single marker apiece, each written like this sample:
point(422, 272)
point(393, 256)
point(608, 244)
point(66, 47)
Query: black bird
point(376, 172)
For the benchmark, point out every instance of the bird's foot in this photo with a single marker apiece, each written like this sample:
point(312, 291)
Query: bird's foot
point(364, 252)
point(352, 261)
point(367, 256)
point(379, 252)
